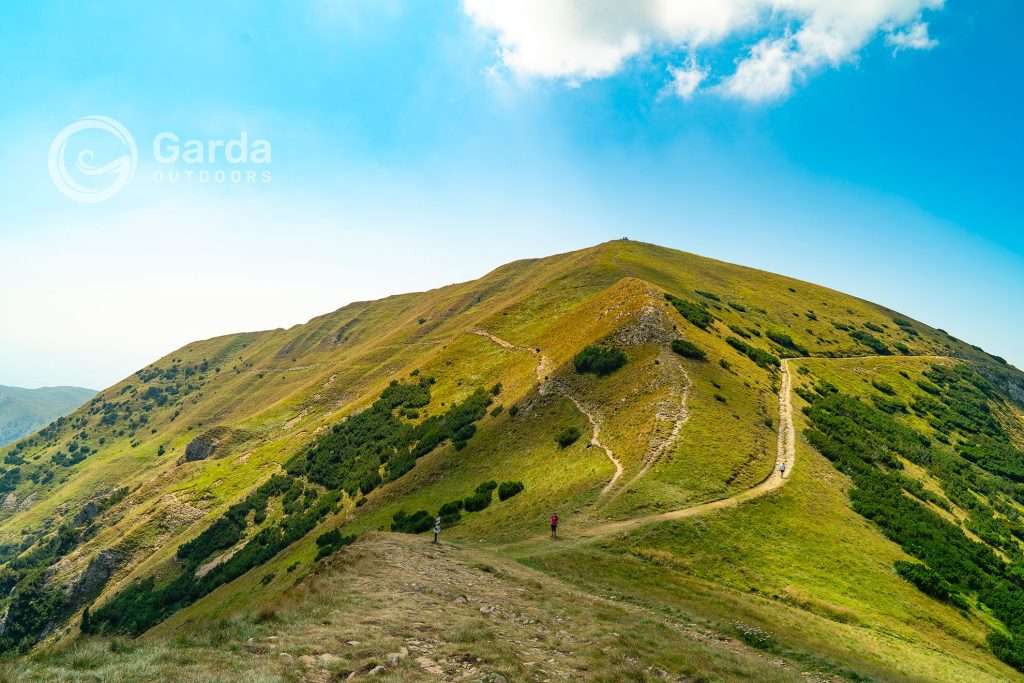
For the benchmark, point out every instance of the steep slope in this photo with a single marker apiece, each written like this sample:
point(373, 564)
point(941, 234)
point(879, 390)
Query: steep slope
point(23, 411)
point(217, 478)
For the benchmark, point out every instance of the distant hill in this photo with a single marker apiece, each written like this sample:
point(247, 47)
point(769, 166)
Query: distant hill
point(757, 478)
point(22, 411)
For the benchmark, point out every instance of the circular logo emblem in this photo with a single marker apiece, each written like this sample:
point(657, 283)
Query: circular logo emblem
point(83, 178)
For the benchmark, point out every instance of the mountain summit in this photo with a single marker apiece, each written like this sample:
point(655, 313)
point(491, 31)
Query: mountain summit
point(755, 478)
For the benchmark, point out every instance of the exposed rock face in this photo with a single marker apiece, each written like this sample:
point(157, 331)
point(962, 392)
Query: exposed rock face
point(212, 442)
point(91, 581)
point(651, 326)
point(1009, 383)
point(201, 447)
point(87, 513)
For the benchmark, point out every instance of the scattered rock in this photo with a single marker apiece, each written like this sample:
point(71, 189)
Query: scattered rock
point(430, 666)
point(493, 677)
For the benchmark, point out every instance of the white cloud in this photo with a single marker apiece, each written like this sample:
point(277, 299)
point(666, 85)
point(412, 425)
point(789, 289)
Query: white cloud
point(686, 79)
point(914, 37)
point(766, 74)
point(789, 39)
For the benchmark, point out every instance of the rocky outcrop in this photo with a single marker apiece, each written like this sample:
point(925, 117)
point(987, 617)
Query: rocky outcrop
point(212, 442)
point(90, 583)
point(1007, 381)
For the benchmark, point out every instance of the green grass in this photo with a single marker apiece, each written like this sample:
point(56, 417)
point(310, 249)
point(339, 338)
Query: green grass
point(796, 553)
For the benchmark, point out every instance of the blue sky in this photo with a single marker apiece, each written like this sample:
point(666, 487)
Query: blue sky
point(421, 143)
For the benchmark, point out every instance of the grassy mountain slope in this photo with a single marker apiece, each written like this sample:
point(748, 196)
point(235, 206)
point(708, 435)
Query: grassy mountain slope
point(22, 411)
point(101, 503)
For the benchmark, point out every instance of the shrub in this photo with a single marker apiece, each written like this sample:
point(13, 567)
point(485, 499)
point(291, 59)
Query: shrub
point(451, 507)
point(929, 582)
point(785, 341)
point(740, 331)
point(599, 360)
point(759, 356)
point(327, 544)
point(329, 538)
point(688, 349)
point(1008, 649)
point(695, 313)
point(450, 512)
point(871, 341)
point(416, 523)
point(509, 489)
point(884, 387)
point(370, 483)
point(478, 501)
point(568, 437)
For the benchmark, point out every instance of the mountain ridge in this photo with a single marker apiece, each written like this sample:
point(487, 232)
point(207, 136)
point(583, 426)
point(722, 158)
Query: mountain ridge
point(22, 410)
point(197, 433)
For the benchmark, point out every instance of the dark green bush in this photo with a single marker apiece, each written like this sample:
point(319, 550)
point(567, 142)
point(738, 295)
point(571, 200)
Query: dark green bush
point(450, 512)
point(478, 501)
point(599, 360)
point(884, 387)
point(688, 349)
point(568, 436)
point(929, 582)
point(509, 489)
point(785, 341)
point(759, 356)
point(416, 523)
point(327, 544)
point(695, 313)
point(871, 341)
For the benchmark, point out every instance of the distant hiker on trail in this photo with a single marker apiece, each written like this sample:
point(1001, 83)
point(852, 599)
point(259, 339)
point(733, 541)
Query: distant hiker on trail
point(782, 469)
point(437, 528)
point(554, 525)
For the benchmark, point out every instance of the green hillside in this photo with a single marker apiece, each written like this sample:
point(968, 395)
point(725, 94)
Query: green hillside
point(647, 396)
point(22, 411)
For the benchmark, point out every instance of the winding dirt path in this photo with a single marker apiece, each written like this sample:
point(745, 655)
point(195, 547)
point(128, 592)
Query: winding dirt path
point(547, 385)
point(786, 455)
point(595, 439)
point(679, 415)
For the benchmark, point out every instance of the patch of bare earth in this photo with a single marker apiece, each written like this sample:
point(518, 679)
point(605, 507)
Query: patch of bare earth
point(395, 607)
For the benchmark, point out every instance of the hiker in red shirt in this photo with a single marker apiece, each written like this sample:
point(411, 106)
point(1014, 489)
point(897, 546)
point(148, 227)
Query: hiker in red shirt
point(554, 525)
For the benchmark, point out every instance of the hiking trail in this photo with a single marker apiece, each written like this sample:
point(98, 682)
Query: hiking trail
point(548, 385)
